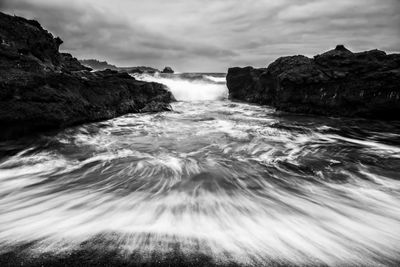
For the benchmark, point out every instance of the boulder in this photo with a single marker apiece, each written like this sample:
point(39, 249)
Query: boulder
point(336, 83)
point(167, 70)
point(43, 89)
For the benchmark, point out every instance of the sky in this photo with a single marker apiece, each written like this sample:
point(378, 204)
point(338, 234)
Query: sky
point(212, 35)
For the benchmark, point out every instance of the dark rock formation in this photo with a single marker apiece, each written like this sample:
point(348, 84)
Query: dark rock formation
point(168, 70)
point(22, 37)
point(103, 65)
point(338, 83)
point(42, 89)
point(69, 63)
point(97, 65)
point(140, 69)
point(156, 106)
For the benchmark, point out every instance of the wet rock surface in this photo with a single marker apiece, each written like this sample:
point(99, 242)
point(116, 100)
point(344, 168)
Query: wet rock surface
point(338, 82)
point(42, 89)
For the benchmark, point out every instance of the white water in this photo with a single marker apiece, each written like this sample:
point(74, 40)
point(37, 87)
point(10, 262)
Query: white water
point(230, 180)
point(190, 90)
point(215, 79)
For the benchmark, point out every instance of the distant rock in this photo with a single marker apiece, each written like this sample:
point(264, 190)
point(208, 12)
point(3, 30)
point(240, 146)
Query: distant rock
point(42, 89)
point(139, 69)
point(338, 82)
point(97, 65)
point(103, 65)
point(168, 70)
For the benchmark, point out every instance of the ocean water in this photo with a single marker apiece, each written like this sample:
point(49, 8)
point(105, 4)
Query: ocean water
point(232, 182)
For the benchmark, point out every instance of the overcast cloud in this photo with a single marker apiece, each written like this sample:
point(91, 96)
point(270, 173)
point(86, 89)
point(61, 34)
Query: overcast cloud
point(212, 35)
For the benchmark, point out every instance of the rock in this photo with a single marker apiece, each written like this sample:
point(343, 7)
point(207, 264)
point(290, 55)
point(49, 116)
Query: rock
point(240, 81)
point(167, 70)
point(22, 37)
point(338, 82)
point(156, 107)
point(42, 89)
point(140, 69)
point(97, 65)
point(69, 63)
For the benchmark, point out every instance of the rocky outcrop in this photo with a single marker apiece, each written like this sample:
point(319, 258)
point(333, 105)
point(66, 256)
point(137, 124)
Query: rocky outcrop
point(338, 82)
point(140, 69)
point(168, 70)
point(69, 63)
point(22, 37)
point(97, 65)
point(43, 89)
point(103, 65)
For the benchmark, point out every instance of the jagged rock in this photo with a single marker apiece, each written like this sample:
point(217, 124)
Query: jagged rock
point(338, 82)
point(22, 37)
point(42, 89)
point(69, 63)
point(167, 70)
point(97, 65)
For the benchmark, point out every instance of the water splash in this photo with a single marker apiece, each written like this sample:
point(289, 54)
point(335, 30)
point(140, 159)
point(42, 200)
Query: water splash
point(192, 88)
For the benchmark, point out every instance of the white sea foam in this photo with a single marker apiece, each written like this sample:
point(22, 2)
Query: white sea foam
point(323, 228)
point(219, 178)
point(215, 79)
point(188, 90)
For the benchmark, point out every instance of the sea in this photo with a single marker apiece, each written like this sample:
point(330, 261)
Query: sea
point(215, 182)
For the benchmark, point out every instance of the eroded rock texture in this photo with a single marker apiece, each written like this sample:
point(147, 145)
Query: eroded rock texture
point(41, 88)
point(338, 82)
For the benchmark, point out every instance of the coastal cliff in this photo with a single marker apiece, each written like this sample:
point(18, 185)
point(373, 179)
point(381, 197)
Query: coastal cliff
point(42, 89)
point(336, 83)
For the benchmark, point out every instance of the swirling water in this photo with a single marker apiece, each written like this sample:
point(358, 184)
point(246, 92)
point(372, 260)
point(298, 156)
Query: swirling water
point(236, 182)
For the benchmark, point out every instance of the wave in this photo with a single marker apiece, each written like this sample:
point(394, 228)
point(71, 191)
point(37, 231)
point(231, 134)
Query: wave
point(190, 88)
point(215, 79)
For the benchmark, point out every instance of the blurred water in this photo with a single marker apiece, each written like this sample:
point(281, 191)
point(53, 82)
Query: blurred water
point(230, 180)
point(191, 86)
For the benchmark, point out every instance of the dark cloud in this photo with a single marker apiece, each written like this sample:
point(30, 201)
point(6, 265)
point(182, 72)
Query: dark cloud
point(211, 35)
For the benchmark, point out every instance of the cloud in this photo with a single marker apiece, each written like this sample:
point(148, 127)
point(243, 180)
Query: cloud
point(211, 35)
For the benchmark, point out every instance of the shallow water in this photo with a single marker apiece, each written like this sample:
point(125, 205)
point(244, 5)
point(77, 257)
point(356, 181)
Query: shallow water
point(236, 182)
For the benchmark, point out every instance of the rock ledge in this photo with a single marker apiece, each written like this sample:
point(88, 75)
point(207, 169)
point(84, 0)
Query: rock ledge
point(42, 89)
point(336, 83)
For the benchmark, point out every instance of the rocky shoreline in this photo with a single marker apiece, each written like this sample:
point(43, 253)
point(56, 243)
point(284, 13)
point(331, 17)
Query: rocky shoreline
point(43, 89)
point(336, 83)
point(103, 65)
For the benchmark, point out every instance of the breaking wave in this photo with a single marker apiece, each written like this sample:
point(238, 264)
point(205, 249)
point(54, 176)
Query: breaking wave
point(190, 87)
